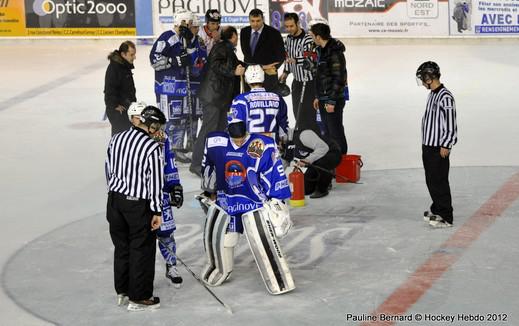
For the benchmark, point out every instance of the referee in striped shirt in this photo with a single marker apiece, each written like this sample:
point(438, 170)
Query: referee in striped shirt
point(439, 134)
point(299, 46)
point(134, 167)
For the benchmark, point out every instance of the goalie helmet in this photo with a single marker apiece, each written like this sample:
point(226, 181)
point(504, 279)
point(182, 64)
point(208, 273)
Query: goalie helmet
point(428, 70)
point(254, 74)
point(182, 15)
point(136, 108)
point(152, 114)
point(236, 126)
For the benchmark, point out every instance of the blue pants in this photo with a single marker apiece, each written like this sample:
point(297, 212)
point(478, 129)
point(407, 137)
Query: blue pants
point(167, 244)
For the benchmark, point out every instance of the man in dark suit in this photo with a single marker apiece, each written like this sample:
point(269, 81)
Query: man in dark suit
point(262, 44)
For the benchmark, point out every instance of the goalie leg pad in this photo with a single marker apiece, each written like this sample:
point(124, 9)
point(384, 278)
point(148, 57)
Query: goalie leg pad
point(217, 268)
point(267, 252)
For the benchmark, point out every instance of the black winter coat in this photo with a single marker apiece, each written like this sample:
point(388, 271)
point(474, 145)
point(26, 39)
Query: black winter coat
point(220, 85)
point(331, 75)
point(119, 85)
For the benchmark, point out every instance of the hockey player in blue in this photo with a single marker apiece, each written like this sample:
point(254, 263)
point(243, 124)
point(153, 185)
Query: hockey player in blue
point(266, 111)
point(174, 54)
point(244, 175)
point(197, 71)
point(172, 197)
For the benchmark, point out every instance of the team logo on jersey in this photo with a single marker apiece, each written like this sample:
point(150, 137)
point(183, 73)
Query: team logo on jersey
point(256, 148)
point(235, 173)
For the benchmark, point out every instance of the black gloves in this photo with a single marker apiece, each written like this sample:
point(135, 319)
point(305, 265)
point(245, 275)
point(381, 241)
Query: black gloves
point(186, 33)
point(176, 196)
point(308, 64)
point(287, 151)
point(183, 60)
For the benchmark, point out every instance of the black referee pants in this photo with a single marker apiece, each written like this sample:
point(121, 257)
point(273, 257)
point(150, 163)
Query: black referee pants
point(307, 117)
point(437, 180)
point(135, 243)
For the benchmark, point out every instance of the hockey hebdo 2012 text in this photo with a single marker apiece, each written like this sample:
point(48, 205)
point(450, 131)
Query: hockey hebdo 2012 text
point(428, 317)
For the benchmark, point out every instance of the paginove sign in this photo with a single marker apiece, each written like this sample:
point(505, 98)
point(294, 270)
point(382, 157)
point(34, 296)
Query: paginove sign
point(234, 12)
point(80, 17)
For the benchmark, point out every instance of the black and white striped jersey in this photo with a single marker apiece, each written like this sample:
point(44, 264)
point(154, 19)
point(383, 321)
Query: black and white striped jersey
point(299, 47)
point(134, 166)
point(439, 121)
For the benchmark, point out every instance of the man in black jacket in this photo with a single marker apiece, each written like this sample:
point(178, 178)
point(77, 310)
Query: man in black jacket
point(263, 45)
point(219, 86)
point(331, 83)
point(119, 86)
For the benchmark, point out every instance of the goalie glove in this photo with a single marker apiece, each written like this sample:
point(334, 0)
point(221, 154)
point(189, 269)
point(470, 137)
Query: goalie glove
point(176, 196)
point(279, 216)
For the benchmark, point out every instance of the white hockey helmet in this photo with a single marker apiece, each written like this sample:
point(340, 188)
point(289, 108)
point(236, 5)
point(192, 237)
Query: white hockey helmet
point(182, 15)
point(136, 108)
point(254, 74)
point(196, 21)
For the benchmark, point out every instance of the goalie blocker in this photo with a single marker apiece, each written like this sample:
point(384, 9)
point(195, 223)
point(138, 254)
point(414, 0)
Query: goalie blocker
point(261, 236)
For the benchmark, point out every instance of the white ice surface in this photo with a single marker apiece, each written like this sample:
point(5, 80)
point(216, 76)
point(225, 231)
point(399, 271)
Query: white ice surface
point(53, 143)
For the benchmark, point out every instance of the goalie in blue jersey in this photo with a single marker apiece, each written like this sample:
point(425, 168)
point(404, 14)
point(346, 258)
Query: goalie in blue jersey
point(245, 187)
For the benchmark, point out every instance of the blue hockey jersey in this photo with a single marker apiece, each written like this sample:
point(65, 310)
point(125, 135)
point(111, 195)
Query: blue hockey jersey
point(266, 111)
point(243, 177)
point(171, 178)
point(172, 80)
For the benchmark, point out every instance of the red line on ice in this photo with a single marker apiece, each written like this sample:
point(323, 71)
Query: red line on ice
point(407, 294)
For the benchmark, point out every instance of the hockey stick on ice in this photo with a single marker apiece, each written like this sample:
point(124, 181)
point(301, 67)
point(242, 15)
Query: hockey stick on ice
point(324, 170)
point(229, 310)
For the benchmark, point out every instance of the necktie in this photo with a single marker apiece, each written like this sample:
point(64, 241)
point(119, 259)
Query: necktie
point(254, 42)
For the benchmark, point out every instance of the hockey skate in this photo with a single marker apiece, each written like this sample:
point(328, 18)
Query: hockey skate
point(437, 222)
point(427, 216)
point(173, 275)
point(152, 303)
point(122, 299)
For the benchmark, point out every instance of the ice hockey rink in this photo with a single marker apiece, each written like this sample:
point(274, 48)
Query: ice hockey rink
point(362, 251)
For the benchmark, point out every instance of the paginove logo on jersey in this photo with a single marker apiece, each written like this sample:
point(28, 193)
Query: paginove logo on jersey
point(59, 8)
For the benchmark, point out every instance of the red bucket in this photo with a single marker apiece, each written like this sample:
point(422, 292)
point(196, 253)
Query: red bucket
point(349, 169)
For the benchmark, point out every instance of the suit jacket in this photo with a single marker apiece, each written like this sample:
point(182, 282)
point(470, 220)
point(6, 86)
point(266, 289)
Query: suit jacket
point(270, 47)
